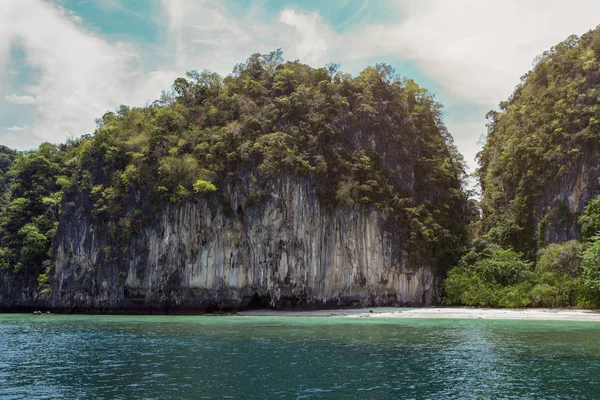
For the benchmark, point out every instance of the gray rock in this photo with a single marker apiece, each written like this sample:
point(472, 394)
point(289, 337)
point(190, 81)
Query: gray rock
point(288, 251)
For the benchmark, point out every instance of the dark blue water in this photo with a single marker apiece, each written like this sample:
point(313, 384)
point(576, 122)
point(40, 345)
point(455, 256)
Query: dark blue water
point(296, 358)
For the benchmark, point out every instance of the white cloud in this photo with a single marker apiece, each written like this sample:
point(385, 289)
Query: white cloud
point(20, 99)
point(15, 128)
point(206, 35)
point(314, 35)
point(475, 50)
point(80, 75)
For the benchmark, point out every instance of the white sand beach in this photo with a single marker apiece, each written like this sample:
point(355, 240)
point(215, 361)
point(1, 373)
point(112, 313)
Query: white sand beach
point(442, 312)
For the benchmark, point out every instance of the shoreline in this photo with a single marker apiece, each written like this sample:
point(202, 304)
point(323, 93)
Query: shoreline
point(537, 314)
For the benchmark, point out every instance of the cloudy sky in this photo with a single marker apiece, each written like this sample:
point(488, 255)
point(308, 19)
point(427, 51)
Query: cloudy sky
point(64, 63)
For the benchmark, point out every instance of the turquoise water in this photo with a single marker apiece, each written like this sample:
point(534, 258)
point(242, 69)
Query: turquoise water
point(295, 358)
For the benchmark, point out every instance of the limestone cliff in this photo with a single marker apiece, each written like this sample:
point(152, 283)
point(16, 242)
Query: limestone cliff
point(288, 251)
point(563, 201)
point(280, 185)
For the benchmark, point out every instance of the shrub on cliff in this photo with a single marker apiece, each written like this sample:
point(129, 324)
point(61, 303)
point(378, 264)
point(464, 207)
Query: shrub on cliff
point(202, 186)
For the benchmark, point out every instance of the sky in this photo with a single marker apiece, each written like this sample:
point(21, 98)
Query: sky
point(64, 63)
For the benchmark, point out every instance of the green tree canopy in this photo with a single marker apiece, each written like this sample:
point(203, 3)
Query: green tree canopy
point(549, 123)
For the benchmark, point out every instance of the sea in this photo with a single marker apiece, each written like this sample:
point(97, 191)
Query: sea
point(293, 357)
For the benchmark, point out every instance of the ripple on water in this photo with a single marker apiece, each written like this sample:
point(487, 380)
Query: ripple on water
point(277, 357)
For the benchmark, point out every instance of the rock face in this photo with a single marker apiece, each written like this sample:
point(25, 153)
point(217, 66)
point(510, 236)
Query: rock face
point(288, 251)
point(563, 202)
point(17, 294)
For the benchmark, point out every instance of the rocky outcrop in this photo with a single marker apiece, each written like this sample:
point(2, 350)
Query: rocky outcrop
point(286, 252)
point(20, 294)
point(563, 201)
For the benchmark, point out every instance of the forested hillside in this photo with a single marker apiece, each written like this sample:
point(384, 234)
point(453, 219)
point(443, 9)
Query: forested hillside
point(373, 142)
point(539, 172)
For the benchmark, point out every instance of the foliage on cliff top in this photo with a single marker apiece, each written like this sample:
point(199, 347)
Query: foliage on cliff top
point(373, 140)
point(7, 157)
point(551, 120)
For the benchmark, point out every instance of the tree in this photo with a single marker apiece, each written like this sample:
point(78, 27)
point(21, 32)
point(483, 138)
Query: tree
point(490, 277)
point(590, 220)
point(202, 186)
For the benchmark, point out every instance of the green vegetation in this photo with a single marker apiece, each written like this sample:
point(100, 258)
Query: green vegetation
point(551, 122)
point(373, 140)
point(591, 275)
point(31, 207)
point(543, 133)
point(590, 220)
point(489, 277)
point(202, 186)
point(7, 157)
point(493, 277)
